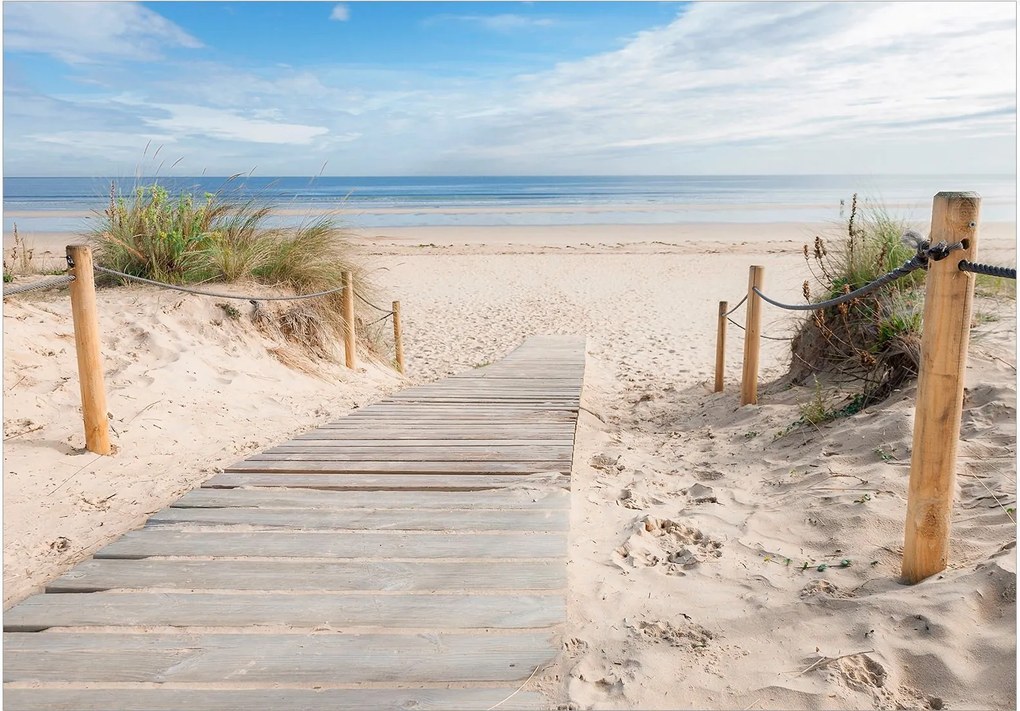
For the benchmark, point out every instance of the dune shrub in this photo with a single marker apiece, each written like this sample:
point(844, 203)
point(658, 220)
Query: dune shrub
point(870, 346)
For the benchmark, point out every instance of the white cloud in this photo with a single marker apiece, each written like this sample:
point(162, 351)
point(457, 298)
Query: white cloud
point(190, 120)
point(77, 32)
point(341, 13)
point(780, 73)
point(504, 22)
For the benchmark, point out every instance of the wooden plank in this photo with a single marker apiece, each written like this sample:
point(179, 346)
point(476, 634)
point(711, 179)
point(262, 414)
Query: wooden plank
point(335, 441)
point(367, 519)
point(329, 576)
point(554, 499)
point(451, 468)
point(175, 699)
point(311, 610)
point(290, 658)
point(147, 543)
point(339, 453)
point(386, 482)
point(465, 434)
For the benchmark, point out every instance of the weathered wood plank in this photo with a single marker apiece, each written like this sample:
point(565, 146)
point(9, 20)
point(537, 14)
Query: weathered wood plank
point(553, 499)
point(147, 543)
point(560, 455)
point(377, 443)
point(451, 468)
point(387, 482)
point(367, 519)
point(330, 576)
point(463, 434)
point(337, 451)
point(311, 610)
point(176, 699)
point(290, 658)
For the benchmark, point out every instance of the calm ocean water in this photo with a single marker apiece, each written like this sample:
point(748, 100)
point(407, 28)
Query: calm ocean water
point(414, 201)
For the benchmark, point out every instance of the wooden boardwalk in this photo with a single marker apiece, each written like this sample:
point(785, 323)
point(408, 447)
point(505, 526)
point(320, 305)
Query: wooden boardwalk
point(409, 555)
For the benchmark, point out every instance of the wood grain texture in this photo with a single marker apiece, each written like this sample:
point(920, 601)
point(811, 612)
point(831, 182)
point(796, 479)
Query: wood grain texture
point(309, 610)
point(147, 543)
point(269, 575)
point(366, 519)
point(387, 482)
point(269, 499)
point(171, 699)
point(291, 658)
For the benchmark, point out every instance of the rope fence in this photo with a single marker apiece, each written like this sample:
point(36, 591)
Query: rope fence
point(42, 284)
point(214, 294)
point(84, 313)
point(944, 344)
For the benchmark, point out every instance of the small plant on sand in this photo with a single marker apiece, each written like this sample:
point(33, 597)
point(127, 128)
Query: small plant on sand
point(871, 345)
point(816, 410)
point(19, 261)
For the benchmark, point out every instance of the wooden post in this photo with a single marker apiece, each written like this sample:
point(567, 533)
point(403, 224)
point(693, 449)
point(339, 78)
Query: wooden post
point(86, 345)
point(752, 342)
point(720, 348)
point(398, 343)
point(348, 314)
point(947, 311)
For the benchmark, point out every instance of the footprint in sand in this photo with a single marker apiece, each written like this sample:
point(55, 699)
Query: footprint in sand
point(685, 634)
point(668, 544)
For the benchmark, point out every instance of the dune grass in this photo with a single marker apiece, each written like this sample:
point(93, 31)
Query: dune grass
point(182, 239)
point(870, 346)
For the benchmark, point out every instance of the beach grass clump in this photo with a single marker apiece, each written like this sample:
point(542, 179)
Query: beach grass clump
point(18, 260)
point(870, 346)
point(181, 239)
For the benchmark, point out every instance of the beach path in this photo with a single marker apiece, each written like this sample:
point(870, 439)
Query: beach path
point(409, 555)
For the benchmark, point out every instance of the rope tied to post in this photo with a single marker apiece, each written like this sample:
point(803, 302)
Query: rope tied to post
point(202, 292)
point(988, 269)
point(925, 254)
point(41, 284)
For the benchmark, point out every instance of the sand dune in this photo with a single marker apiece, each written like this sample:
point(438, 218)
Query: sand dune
point(699, 529)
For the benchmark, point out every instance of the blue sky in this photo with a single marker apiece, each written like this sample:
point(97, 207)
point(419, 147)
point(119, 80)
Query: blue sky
point(496, 88)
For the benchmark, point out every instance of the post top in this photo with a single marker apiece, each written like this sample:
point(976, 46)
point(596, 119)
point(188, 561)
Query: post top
point(965, 195)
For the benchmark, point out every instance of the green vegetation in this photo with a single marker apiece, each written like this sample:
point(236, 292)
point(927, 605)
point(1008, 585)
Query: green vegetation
point(18, 261)
point(870, 346)
point(182, 239)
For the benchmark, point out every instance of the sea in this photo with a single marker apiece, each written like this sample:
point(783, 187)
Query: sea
point(53, 204)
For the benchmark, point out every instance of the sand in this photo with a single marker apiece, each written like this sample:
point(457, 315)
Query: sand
point(691, 522)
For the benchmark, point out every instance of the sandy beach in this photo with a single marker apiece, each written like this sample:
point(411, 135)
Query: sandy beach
point(762, 614)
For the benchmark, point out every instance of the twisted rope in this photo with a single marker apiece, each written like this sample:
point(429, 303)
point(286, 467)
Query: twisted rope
point(736, 307)
point(988, 269)
point(925, 252)
point(760, 335)
point(214, 294)
point(383, 318)
point(366, 301)
point(43, 284)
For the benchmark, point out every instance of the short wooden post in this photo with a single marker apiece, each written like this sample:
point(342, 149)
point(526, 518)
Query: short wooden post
point(348, 314)
point(720, 347)
point(398, 343)
point(86, 345)
point(947, 311)
point(752, 342)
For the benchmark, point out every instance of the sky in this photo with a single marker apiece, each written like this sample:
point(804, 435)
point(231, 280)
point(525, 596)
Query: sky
point(498, 88)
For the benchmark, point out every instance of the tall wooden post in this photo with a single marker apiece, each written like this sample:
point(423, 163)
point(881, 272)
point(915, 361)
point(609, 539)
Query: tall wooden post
point(398, 342)
point(347, 297)
point(752, 342)
point(86, 345)
point(720, 347)
point(947, 312)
